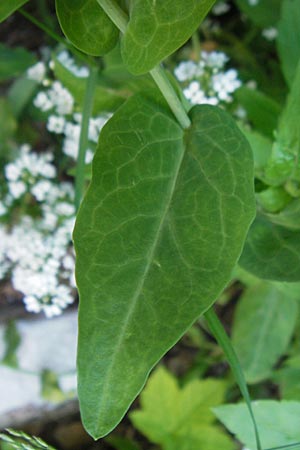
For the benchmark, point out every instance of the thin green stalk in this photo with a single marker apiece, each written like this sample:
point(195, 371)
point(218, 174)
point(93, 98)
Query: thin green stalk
point(284, 447)
point(223, 340)
point(84, 132)
point(56, 37)
point(119, 18)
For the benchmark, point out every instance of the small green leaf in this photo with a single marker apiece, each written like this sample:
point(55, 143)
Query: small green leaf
point(259, 347)
point(272, 252)
point(264, 13)
point(106, 99)
point(158, 28)
point(87, 26)
point(261, 147)
point(288, 40)
point(149, 260)
point(180, 418)
point(273, 199)
point(7, 7)
point(262, 111)
point(12, 342)
point(13, 61)
point(288, 217)
point(278, 422)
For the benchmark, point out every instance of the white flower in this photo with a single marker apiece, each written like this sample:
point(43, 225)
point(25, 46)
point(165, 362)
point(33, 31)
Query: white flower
point(17, 188)
point(61, 98)
point(69, 63)
point(41, 190)
point(220, 8)
point(43, 102)
point(253, 2)
point(186, 70)
point(37, 72)
point(56, 124)
point(270, 33)
point(12, 172)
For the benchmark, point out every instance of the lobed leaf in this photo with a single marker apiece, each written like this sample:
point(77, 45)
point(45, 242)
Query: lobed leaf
point(159, 27)
point(278, 422)
point(272, 252)
point(87, 26)
point(7, 7)
point(157, 236)
point(259, 348)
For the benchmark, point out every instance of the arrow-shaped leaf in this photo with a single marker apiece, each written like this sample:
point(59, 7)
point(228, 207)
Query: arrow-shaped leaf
point(157, 236)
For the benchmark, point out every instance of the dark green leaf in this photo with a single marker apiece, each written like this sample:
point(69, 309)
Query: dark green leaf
point(158, 28)
point(149, 260)
point(259, 348)
point(13, 61)
point(264, 13)
point(262, 111)
point(7, 7)
point(20, 94)
point(87, 26)
point(272, 252)
point(288, 40)
point(278, 422)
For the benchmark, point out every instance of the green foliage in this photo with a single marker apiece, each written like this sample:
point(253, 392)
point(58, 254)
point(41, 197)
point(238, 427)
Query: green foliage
point(22, 441)
point(181, 418)
point(264, 13)
point(288, 41)
point(278, 422)
point(259, 347)
point(272, 252)
point(87, 26)
point(147, 255)
point(7, 7)
point(156, 29)
point(13, 62)
point(12, 342)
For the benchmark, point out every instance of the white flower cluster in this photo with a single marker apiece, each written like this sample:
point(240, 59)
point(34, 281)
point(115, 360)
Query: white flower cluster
point(35, 246)
point(63, 117)
point(207, 81)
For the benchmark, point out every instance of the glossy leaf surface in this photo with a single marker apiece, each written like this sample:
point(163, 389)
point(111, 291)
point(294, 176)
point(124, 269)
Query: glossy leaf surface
point(157, 236)
point(278, 422)
point(7, 7)
point(158, 28)
point(272, 252)
point(259, 347)
point(87, 26)
point(181, 418)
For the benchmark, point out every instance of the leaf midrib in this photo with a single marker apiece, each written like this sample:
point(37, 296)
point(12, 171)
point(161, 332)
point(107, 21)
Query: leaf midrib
point(143, 277)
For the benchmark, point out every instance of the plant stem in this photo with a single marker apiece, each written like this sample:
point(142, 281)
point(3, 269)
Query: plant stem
point(223, 340)
point(119, 18)
point(56, 37)
point(84, 134)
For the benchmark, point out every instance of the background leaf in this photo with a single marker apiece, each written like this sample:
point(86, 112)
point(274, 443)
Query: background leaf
point(157, 29)
point(264, 13)
point(87, 26)
point(278, 422)
point(180, 418)
point(259, 346)
point(7, 7)
point(149, 262)
point(13, 61)
point(288, 40)
point(272, 252)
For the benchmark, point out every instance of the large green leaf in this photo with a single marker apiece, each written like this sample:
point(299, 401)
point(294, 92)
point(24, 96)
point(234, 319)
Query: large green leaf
point(158, 28)
point(157, 236)
point(278, 422)
point(7, 7)
point(87, 26)
point(181, 418)
point(288, 41)
point(259, 347)
point(272, 252)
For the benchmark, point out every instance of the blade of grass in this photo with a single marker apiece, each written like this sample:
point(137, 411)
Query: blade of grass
point(223, 340)
point(283, 447)
point(84, 134)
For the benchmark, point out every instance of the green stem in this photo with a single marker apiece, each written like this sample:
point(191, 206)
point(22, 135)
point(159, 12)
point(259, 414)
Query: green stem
point(119, 18)
point(56, 37)
point(284, 447)
point(84, 134)
point(223, 340)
